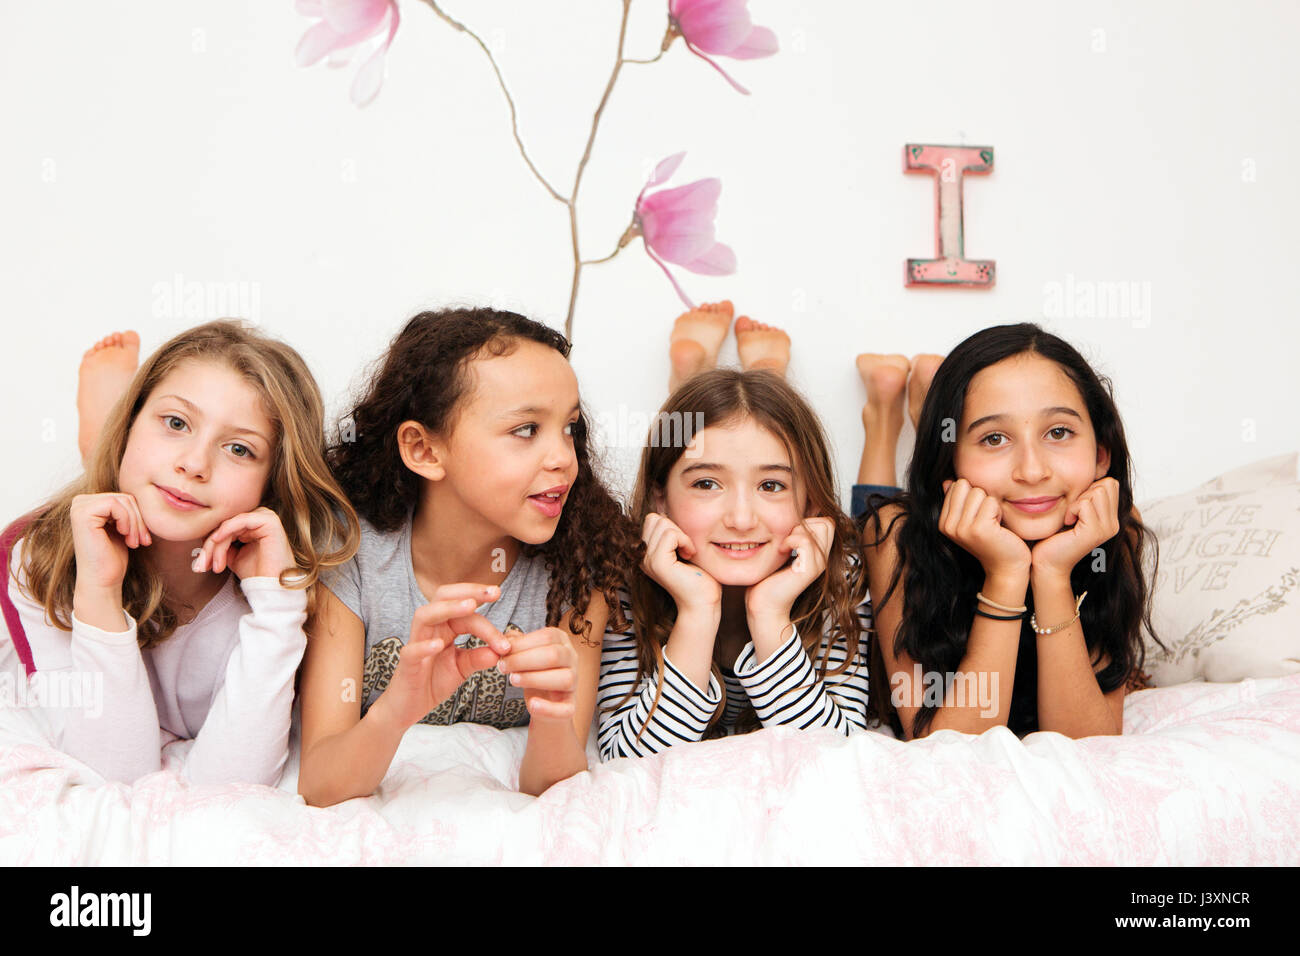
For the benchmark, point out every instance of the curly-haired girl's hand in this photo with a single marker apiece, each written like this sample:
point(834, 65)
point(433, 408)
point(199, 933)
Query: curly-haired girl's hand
point(431, 666)
point(545, 664)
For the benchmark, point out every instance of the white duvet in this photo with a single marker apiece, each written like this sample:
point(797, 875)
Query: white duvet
point(1204, 774)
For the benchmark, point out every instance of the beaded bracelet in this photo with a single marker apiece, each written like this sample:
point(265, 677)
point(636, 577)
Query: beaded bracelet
point(1044, 631)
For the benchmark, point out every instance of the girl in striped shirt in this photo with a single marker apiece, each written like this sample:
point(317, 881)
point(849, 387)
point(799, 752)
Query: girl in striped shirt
point(749, 606)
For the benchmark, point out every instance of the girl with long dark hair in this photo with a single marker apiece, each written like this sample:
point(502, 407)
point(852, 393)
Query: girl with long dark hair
point(1007, 578)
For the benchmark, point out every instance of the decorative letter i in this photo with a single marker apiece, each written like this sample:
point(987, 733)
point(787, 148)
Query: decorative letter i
point(949, 165)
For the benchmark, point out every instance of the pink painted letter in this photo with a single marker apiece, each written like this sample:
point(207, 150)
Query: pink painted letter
point(949, 165)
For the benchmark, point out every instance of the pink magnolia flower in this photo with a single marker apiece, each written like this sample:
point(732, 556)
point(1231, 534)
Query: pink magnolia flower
point(677, 225)
point(720, 27)
point(343, 27)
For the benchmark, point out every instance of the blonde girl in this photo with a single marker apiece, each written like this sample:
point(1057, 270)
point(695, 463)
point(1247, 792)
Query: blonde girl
point(174, 577)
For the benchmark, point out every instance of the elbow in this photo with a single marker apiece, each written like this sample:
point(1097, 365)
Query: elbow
point(534, 788)
point(316, 794)
point(313, 799)
point(536, 784)
point(308, 789)
point(951, 718)
point(315, 787)
point(1111, 729)
point(1081, 731)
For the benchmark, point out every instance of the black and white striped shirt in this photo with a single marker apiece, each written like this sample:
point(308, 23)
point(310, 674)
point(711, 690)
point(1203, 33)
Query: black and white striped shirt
point(784, 689)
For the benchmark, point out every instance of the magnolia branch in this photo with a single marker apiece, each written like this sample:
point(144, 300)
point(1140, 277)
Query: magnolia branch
point(571, 201)
point(501, 81)
point(582, 166)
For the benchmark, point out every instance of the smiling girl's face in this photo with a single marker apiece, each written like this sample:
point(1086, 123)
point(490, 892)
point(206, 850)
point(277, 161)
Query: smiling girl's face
point(199, 451)
point(735, 496)
point(1025, 438)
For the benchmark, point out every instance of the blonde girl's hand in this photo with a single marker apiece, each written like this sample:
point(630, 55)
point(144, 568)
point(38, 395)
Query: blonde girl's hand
point(810, 544)
point(104, 528)
point(545, 664)
point(431, 666)
point(667, 561)
point(253, 545)
point(973, 519)
point(1091, 520)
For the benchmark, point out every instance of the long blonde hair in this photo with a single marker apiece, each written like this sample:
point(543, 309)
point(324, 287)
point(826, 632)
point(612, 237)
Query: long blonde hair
point(722, 397)
point(320, 524)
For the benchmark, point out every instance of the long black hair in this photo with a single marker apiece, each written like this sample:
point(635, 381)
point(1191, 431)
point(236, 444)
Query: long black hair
point(940, 578)
point(423, 377)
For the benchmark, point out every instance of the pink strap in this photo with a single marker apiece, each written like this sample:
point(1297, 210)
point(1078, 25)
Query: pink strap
point(8, 538)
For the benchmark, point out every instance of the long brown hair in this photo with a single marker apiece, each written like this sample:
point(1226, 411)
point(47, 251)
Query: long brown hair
point(424, 377)
point(321, 526)
point(723, 397)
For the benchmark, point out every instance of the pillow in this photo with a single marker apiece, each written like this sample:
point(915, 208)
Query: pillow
point(1226, 602)
point(1270, 471)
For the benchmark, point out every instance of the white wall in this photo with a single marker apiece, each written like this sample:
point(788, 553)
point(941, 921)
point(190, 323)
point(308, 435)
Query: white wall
point(1140, 142)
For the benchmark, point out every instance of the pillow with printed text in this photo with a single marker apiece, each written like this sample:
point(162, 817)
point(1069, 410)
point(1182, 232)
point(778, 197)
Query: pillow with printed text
point(1226, 600)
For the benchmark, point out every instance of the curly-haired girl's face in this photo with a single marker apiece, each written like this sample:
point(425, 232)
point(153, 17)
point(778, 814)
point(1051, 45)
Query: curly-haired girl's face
point(1026, 439)
point(511, 457)
point(734, 495)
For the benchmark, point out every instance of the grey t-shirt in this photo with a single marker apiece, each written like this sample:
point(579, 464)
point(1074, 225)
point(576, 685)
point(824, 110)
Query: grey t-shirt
point(378, 585)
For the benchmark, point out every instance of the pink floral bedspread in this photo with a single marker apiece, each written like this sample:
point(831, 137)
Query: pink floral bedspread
point(1205, 774)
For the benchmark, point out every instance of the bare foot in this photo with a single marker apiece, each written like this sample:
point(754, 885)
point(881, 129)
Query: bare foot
point(923, 369)
point(695, 340)
point(106, 371)
point(885, 378)
point(762, 346)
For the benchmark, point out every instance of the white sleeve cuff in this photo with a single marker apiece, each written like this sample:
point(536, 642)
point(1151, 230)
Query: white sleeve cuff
point(267, 594)
point(126, 638)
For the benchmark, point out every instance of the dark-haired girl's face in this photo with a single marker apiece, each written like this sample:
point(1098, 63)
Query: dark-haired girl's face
point(1025, 439)
point(511, 457)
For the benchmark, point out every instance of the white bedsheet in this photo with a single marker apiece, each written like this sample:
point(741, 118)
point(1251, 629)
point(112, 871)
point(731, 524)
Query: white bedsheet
point(1205, 774)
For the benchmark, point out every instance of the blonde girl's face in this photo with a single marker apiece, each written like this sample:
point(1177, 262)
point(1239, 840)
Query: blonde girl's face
point(199, 451)
point(735, 496)
point(1026, 439)
point(510, 457)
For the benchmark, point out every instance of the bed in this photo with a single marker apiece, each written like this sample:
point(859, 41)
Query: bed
point(1207, 771)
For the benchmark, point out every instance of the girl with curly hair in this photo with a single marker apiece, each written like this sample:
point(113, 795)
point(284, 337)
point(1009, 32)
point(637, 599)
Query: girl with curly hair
point(468, 460)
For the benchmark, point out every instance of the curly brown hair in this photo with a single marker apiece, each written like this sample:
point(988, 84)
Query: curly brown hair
point(423, 377)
